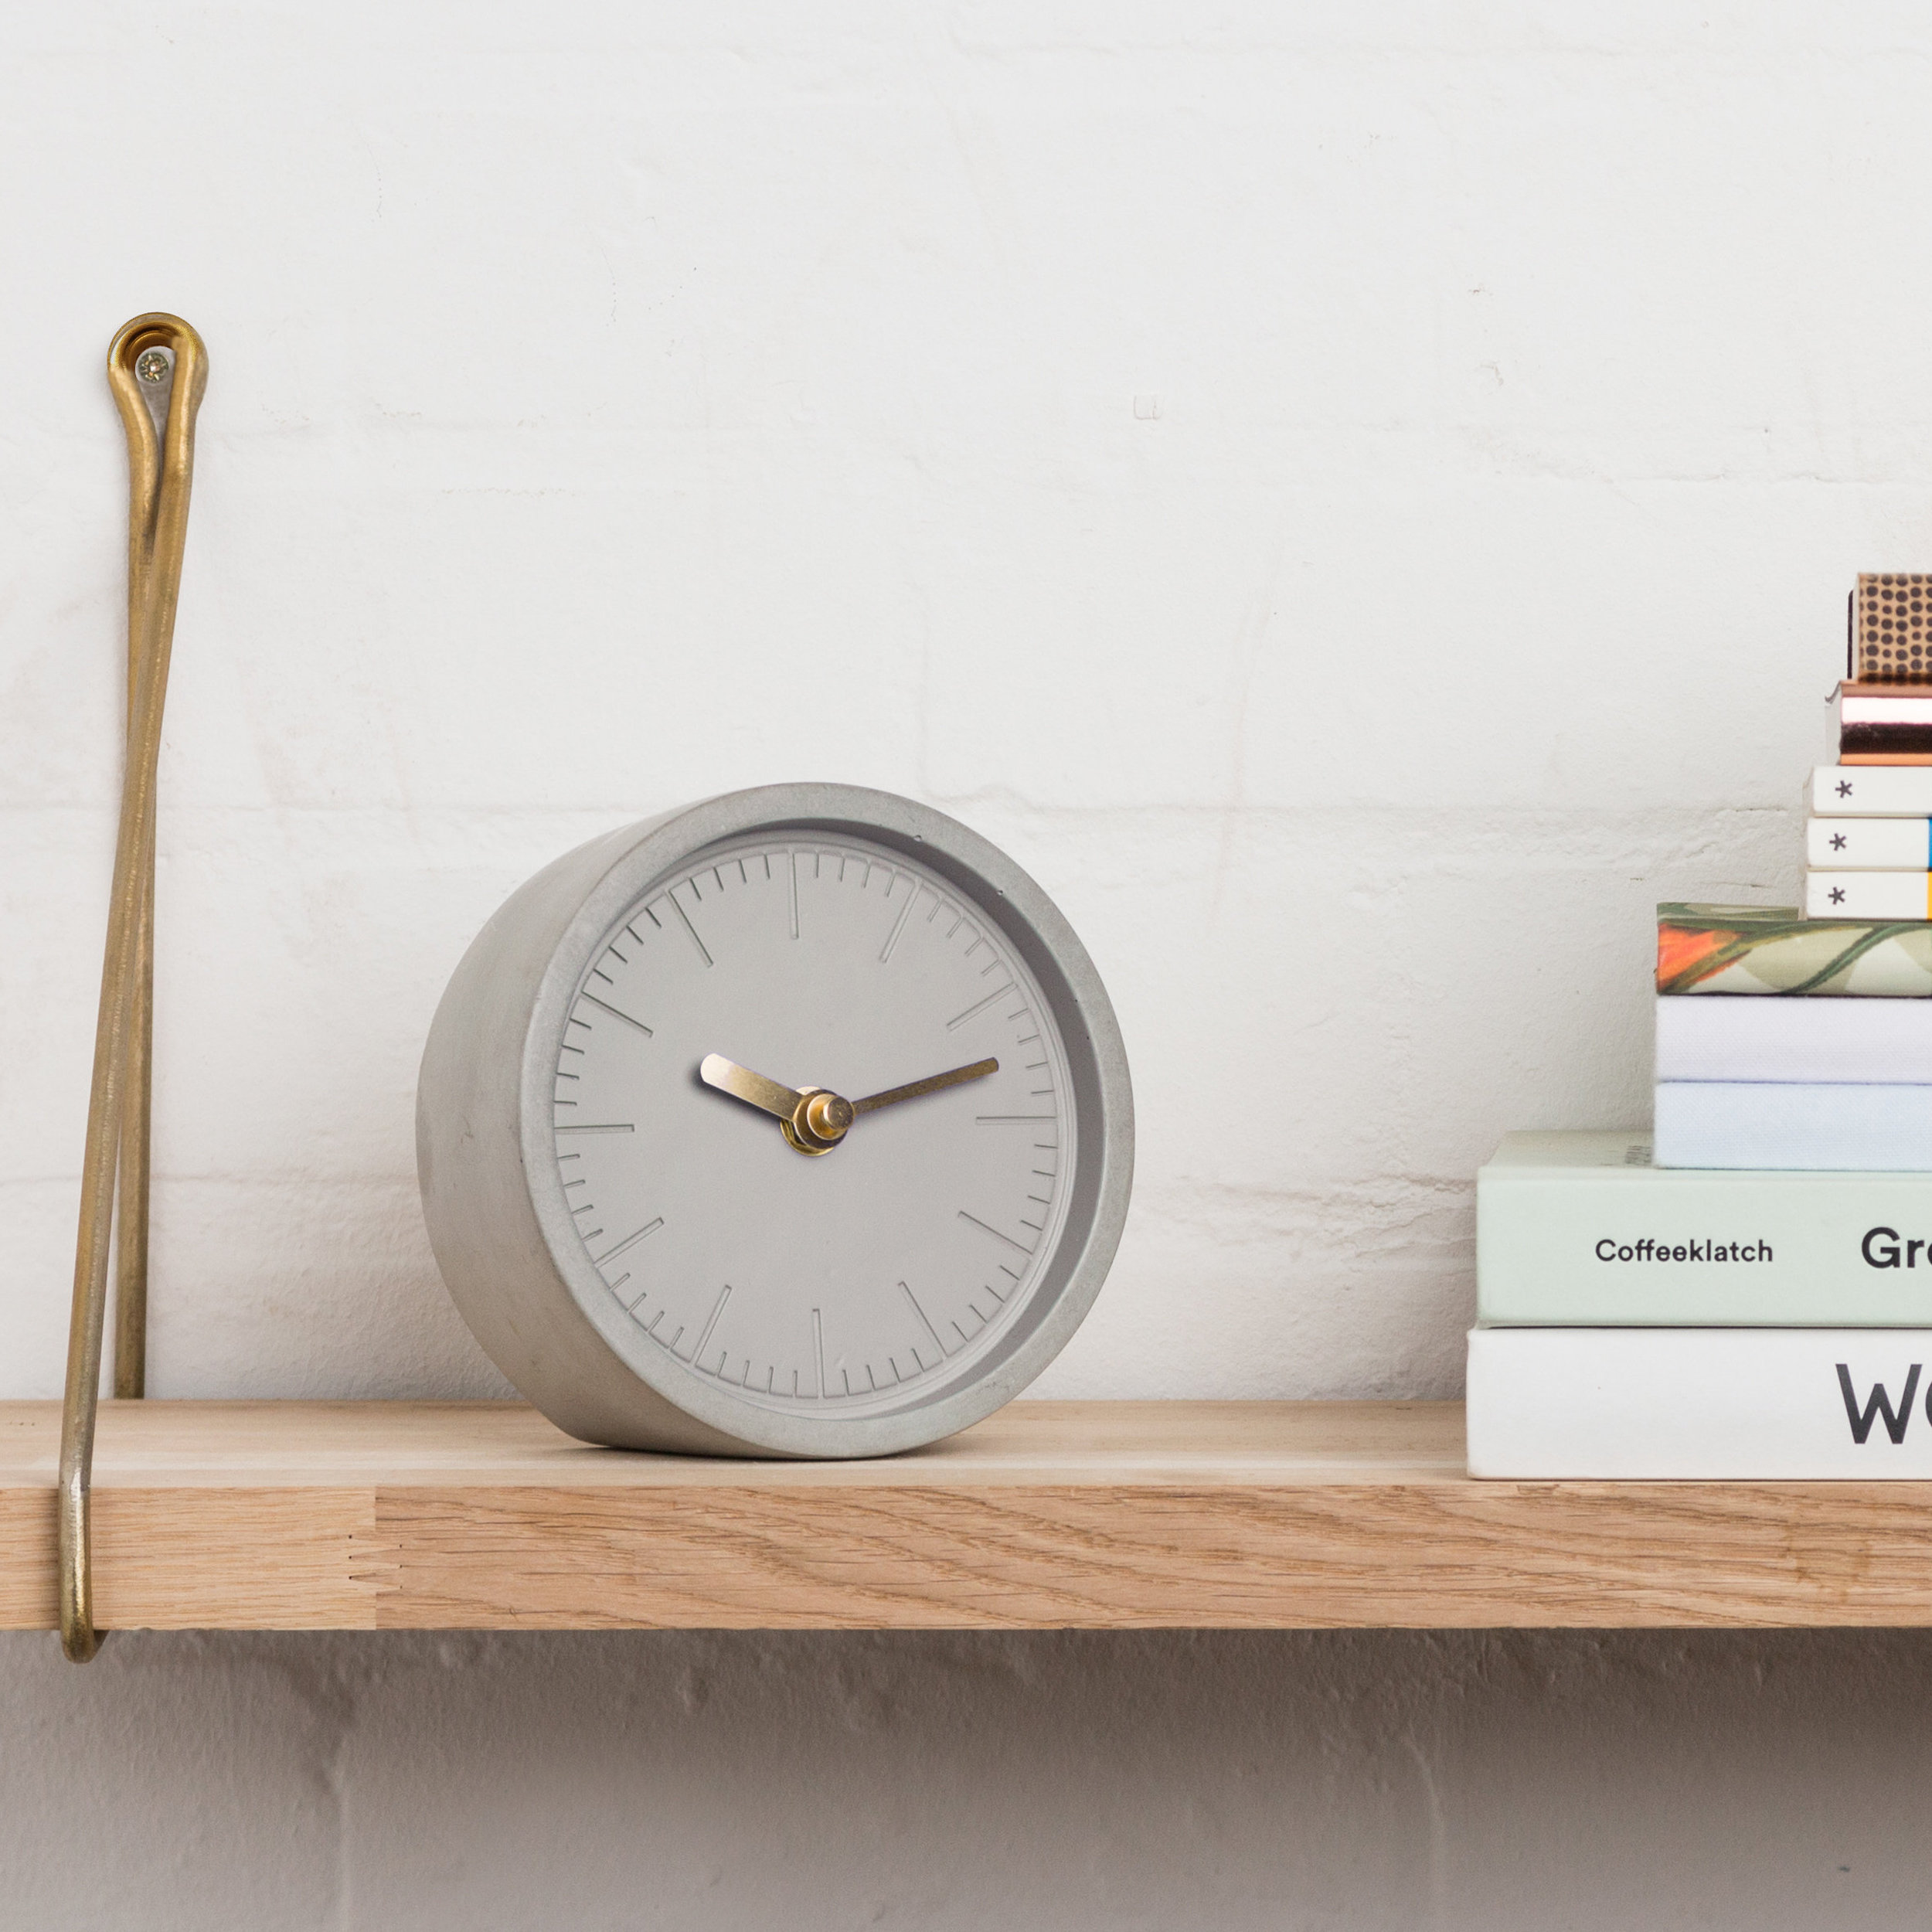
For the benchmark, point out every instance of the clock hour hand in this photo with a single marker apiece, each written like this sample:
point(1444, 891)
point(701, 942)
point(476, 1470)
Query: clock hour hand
point(815, 1121)
point(741, 1084)
point(958, 1076)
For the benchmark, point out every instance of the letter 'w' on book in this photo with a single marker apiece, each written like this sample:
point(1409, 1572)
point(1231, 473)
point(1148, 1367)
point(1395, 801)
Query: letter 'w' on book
point(1878, 1404)
point(1691, 1404)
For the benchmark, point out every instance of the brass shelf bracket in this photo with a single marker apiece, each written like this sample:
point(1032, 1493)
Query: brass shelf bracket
point(158, 369)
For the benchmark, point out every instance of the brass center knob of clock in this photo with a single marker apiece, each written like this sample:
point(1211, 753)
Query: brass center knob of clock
point(819, 1121)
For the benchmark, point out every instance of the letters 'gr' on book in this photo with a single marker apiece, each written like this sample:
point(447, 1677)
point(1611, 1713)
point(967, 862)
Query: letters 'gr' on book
point(1872, 791)
point(1579, 1229)
point(1890, 629)
point(1709, 1404)
point(1893, 896)
point(1773, 950)
point(1865, 1127)
point(1868, 845)
point(1885, 724)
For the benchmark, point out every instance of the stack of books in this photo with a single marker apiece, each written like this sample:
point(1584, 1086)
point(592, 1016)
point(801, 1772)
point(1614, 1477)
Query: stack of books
point(1748, 1292)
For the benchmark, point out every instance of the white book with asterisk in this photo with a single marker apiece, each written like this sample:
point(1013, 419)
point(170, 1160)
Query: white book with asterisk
point(1872, 791)
point(1868, 895)
point(1868, 845)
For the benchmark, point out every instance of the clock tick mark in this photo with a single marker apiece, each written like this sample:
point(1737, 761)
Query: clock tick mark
point(994, 1232)
point(691, 929)
point(599, 1126)
point(604, 1006)
point(980, 1007)
point(905, 912)
point(630, 1241)
point(925, 1322)
point(717, 1309)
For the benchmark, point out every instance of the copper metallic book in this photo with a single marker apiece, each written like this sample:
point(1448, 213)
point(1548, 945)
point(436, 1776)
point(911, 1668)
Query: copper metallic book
point(1884, 724)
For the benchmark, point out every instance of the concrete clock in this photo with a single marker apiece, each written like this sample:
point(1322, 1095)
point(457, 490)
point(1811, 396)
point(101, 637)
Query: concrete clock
point(794, 1123)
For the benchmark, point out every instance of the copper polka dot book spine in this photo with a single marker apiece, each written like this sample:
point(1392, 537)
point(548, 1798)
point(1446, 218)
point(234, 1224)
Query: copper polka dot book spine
point(1746, 1291)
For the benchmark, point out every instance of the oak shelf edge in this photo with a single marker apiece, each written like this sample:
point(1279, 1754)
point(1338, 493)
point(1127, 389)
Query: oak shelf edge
point(304, 1515)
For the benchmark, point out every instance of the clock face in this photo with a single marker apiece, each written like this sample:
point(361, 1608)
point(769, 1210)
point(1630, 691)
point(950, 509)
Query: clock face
point(877, 1270)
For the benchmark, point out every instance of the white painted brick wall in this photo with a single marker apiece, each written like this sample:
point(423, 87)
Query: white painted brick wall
point(1357, 499)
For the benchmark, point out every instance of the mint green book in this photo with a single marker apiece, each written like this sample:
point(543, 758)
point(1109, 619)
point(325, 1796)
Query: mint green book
point(1580, 1230)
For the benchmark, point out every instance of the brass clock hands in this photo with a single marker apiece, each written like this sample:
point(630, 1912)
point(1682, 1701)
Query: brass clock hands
point(741, 1084)
point(813, 1119)
point(932, 1084)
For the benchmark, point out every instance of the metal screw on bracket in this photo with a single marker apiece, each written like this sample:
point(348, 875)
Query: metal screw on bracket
point(153, 366)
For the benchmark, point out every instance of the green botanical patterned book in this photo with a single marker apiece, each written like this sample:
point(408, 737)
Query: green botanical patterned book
point(1775, 949)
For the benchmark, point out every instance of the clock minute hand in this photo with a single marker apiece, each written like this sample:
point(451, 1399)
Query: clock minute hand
point(741, 1084)
point(958, 1076)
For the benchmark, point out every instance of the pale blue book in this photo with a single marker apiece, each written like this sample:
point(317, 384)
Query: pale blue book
point(1580, 1228)
point(1863, 1126)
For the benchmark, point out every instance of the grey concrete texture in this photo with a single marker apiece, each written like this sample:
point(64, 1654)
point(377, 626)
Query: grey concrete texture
point(1457, 1783)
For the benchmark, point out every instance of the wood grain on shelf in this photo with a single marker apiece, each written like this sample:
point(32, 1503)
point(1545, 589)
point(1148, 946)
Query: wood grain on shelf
point(1092, 1515)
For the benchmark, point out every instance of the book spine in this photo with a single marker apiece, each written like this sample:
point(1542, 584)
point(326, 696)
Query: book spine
point(1846, 1126)
point(1638, 1404)
point(1861, 1041)
point(1868, 895)
point(1637, 1247)
point(1868, 845)
point(1892, 628)
point(1707, 950)
point(1871, 792)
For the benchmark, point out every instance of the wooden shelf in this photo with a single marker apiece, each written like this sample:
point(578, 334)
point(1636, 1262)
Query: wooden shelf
point(303, 1515)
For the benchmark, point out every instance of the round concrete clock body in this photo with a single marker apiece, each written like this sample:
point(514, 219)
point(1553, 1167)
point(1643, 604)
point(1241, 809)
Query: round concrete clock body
point(795, 1123)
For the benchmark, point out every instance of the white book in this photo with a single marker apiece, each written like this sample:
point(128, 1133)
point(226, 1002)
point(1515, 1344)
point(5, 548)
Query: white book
point(1767, 1404)
point(1864, 1128)
point(1868, 845)
point(1872, 791)
point(1795, 1041)
point(1868, 895)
